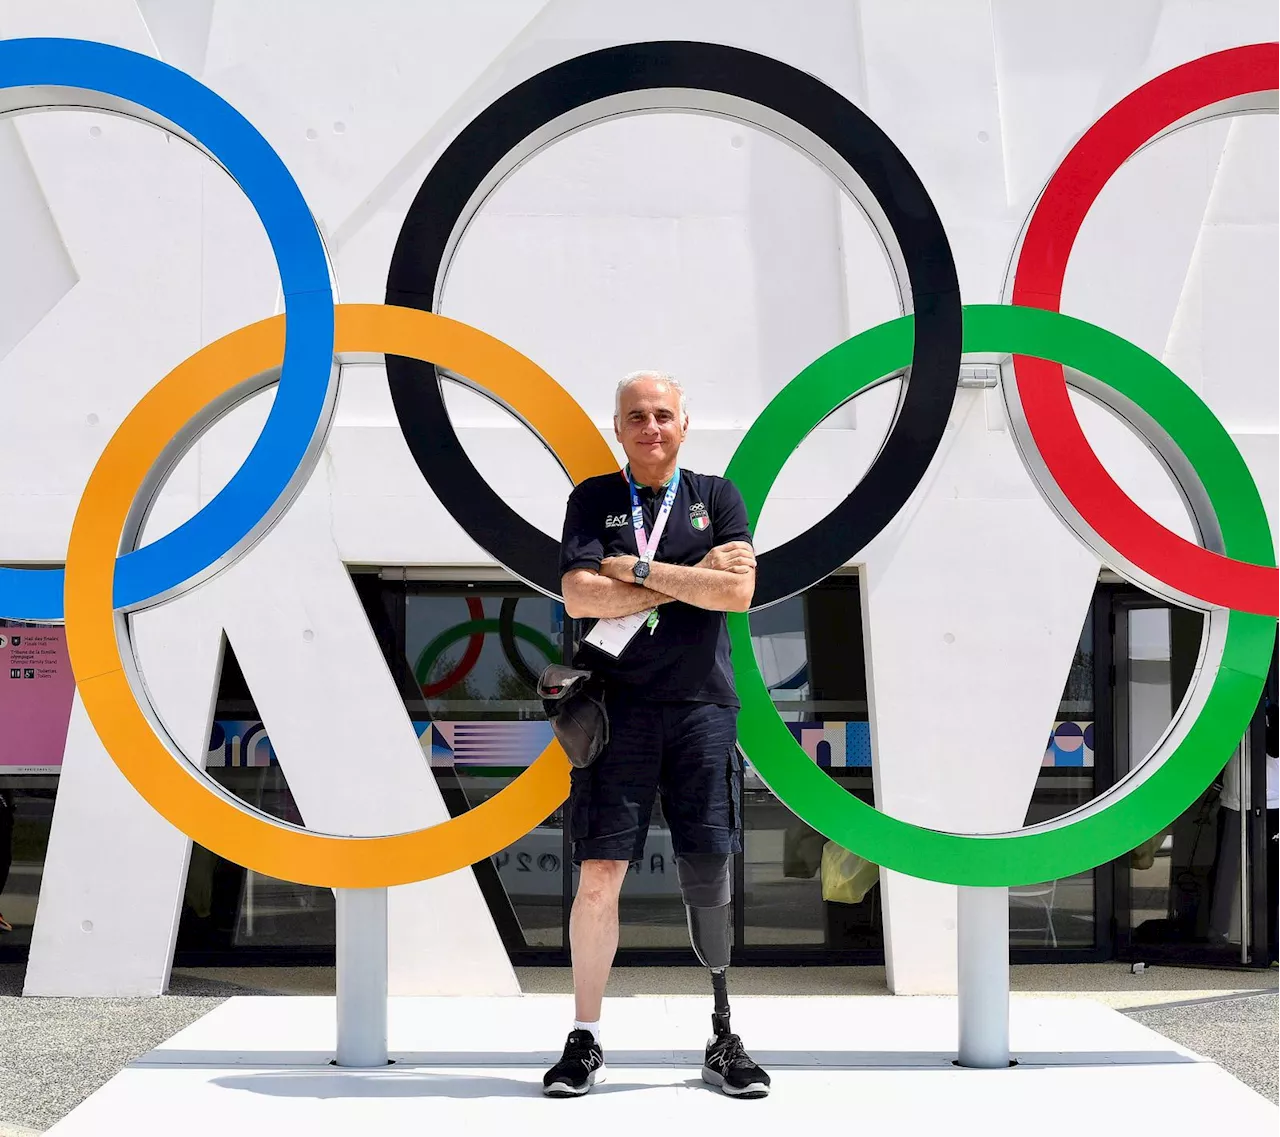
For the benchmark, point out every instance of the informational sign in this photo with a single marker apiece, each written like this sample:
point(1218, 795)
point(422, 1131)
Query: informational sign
point(36, 686)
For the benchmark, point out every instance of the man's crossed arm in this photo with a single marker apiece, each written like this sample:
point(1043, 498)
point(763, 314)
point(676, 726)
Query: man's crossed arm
point(723, 581)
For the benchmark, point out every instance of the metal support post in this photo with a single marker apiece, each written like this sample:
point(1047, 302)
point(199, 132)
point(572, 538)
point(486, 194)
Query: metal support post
point(982, 926)
point(1244, 756)
point(362, 976)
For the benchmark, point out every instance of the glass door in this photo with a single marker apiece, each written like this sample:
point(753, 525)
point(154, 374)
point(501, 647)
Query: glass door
point(1187, 893)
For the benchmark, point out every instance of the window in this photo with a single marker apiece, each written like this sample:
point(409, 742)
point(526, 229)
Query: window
point(809, 650)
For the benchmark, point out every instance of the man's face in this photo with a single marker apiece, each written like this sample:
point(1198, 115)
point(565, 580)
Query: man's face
point(649, 425)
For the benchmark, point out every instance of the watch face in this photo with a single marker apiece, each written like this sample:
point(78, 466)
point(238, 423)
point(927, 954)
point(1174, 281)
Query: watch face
point(641, 570)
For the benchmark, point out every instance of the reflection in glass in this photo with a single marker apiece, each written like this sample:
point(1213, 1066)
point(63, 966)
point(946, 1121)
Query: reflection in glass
point(26, 815)
point(1184, 882)
point(226, 907)
point(473, 663)
point(1060, 913)
point(1225, 926)
point(809, 650)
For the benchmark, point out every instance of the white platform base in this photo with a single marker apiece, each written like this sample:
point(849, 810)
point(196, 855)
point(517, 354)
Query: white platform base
point(468, 1065)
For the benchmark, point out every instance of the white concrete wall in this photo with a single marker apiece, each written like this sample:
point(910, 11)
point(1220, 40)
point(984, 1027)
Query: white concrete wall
point(673, 241)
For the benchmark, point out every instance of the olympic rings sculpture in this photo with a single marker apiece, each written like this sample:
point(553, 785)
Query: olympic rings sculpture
point(1231, 575)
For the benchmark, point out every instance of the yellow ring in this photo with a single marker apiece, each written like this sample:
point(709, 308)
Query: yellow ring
point(177, 790)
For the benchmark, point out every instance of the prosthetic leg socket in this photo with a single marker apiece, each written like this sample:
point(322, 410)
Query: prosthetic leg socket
point(705, 886)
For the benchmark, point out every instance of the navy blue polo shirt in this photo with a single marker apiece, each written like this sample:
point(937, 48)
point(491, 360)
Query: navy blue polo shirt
point(686, 657)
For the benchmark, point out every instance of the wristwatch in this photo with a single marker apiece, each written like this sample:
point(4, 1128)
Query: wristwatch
point(640, 570)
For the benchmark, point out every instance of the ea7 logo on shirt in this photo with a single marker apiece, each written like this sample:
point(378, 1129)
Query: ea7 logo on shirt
point(698, 516)
point(615, 520)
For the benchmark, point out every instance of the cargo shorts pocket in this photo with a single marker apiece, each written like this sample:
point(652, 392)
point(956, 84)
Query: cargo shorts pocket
point(733, 787)
point(579, 812)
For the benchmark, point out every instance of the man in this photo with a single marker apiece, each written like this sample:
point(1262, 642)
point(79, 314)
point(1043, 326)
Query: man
point(675, 545)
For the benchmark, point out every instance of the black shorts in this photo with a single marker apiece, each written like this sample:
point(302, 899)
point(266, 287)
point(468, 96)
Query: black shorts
point(684, 751)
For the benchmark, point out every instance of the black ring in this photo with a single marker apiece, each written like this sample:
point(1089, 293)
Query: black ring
point(511, 649)
point(446, 194)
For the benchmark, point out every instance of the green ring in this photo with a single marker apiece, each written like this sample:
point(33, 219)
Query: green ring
point(1134, 816)
point(429, 654)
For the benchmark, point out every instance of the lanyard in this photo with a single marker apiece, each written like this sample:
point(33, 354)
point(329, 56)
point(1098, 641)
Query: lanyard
point(648, 546)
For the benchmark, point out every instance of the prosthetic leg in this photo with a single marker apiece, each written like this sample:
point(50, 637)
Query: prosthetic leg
point(704, 884)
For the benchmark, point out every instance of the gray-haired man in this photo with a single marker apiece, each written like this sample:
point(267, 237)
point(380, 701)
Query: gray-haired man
point(671, 549)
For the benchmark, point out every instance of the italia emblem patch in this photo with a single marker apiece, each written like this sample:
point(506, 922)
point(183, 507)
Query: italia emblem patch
point(698, 516)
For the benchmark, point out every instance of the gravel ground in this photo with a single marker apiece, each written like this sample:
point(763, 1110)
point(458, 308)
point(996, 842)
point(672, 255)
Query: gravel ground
point(56, 1052)
point(1241, 1034)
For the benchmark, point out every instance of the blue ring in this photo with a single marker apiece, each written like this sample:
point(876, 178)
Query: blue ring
point(299, 406)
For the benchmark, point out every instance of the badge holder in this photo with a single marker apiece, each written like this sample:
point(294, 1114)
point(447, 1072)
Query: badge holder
point(612, 634)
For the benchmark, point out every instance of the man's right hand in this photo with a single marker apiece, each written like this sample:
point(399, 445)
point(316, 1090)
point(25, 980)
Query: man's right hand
point(736, 556)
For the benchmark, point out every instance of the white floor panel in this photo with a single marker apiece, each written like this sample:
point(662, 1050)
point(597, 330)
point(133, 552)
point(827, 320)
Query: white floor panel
point(261, 1065)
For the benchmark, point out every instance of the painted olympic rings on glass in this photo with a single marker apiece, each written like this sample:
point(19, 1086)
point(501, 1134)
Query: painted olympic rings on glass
point(1054, 447)
point(507, 629)
point(475, 645)
point(735, 84)
point(474, 631)
point(37, 73)
point(1240, 629)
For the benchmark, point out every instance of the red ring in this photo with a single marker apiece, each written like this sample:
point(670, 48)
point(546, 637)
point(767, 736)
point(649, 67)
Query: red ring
point(475, 609)
point(1042, 385)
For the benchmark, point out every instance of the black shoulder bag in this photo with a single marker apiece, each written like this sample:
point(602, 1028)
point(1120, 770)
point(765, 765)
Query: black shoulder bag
point(573, 700)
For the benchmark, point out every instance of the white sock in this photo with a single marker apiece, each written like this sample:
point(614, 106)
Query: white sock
point(594, 1028)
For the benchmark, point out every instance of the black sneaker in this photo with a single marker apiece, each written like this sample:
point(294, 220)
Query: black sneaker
point(580, 1067)
point(730, 1067)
